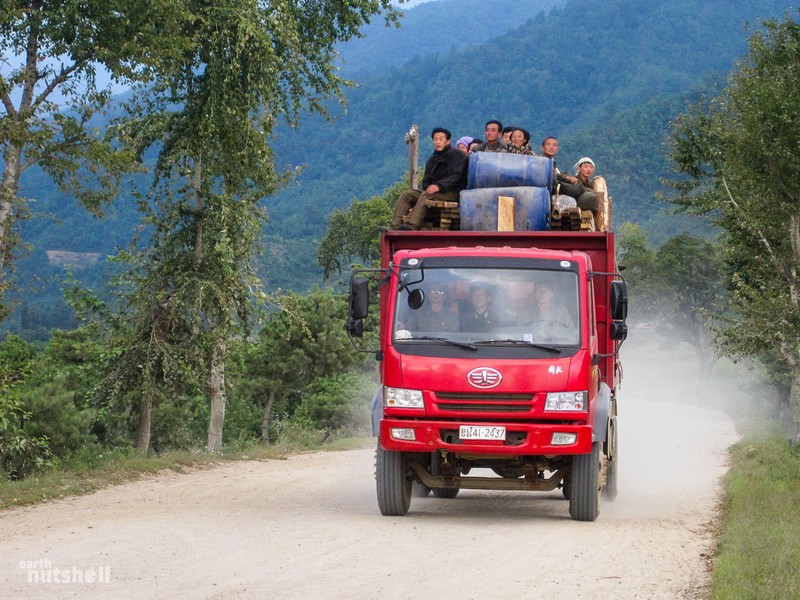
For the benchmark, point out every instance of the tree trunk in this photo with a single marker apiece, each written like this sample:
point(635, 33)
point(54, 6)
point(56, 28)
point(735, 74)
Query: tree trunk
point(145, 420)
point(266, 418)
point(216, 389)
point(794, 402)
point(8, 196)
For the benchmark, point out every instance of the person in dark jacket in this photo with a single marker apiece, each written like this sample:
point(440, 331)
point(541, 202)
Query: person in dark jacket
point(482, 316)
point(445, 176)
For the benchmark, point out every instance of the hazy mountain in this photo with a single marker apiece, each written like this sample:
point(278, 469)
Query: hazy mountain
point(605, 76)
point(433, 27)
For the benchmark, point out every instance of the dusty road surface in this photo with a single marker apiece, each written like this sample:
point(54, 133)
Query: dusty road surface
point(309, 527)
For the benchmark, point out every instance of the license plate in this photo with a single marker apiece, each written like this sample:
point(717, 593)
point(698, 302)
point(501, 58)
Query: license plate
point(481, 432)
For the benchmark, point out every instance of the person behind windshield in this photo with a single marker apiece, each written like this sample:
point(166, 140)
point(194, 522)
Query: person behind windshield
point(482, 315)
point(547, 308)
point(436, 313)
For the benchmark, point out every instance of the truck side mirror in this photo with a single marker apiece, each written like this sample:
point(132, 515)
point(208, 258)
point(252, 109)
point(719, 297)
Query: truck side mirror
point(355, 327)
point(359, 298)
point(618, 300)
point(618, 330)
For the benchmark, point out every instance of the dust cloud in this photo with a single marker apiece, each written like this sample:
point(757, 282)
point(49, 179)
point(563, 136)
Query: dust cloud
point(676, 425)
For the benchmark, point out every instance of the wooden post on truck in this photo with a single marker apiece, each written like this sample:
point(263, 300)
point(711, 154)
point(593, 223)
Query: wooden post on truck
point(505, 213)
point(412, 139)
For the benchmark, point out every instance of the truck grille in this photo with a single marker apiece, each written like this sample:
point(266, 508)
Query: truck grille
point(509, 403)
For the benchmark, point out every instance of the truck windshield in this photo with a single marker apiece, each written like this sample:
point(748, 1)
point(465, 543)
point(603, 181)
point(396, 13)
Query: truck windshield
point(488, 306)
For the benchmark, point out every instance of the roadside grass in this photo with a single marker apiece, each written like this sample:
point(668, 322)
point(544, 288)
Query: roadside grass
point(92, 469)
point(758, 549)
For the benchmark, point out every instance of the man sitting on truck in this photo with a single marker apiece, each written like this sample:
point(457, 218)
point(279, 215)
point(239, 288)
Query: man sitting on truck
point(494, 141)
point(569, 184)
point(445, 176)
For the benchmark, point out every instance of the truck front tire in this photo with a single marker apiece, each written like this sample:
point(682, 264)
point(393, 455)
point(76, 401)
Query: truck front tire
point(392, 482)
point(584, 485)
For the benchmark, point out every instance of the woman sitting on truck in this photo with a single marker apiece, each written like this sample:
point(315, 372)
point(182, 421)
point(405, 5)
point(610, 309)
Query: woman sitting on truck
point(521, 142)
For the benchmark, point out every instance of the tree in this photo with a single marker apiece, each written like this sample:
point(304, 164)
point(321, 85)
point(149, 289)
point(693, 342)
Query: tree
point(248, 65)
point(680, 287)
point(354, 233)
point(301, 343)
point(691, 281)
point(737, 154)
point(52, 52)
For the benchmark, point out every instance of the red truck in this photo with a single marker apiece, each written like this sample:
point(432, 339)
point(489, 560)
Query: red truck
point(499, 364)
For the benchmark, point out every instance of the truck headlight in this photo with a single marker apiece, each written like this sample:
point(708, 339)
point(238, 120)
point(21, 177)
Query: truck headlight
point(400, 398)
point(567, 401)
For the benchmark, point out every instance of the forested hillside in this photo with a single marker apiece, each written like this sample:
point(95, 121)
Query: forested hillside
point(604, 76)
point(428, 29)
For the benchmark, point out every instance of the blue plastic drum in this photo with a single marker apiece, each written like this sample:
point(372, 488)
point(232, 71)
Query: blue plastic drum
point(502, 169)
point(478, 208)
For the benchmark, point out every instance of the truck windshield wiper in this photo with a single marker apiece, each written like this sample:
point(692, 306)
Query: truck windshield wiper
point(444, 340)
point(521, 343)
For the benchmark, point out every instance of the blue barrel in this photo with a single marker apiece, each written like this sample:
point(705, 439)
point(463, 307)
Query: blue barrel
point(478, 208)
point(502, 169)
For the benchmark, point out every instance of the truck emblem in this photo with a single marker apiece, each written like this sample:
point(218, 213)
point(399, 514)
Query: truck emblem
point(484, 377)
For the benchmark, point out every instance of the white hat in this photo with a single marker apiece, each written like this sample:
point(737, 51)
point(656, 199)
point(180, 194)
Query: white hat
point(585, 159)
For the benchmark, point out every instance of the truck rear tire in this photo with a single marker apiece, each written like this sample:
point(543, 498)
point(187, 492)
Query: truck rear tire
point(392, 482)
point(612, 466)
point(584, 485)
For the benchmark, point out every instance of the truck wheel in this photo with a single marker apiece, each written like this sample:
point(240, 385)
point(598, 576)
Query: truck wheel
point(445, 492)
point(612, 468)
point(419, 490)
point(392, 482)
point(584, 485)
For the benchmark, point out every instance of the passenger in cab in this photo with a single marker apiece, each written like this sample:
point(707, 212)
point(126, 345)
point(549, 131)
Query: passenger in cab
point(507, 134)
point(494, 142)
point(445, 176)
point(482, 316)
point(474, 144)
point(546, 308)
point(521, 142)
point(436, 314)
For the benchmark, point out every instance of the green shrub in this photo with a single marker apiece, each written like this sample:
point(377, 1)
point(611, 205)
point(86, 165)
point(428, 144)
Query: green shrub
point(338, 404)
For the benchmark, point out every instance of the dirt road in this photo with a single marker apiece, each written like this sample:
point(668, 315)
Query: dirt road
point(309, 527)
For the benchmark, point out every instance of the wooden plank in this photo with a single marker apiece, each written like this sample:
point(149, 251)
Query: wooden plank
point(505, 213)
point(603, 204)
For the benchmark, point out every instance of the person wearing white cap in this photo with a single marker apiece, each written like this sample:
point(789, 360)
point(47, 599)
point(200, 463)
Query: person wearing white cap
point(584, 169)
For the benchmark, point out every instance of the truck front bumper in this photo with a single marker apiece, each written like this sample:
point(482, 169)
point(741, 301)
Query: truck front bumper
point(520, 438)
